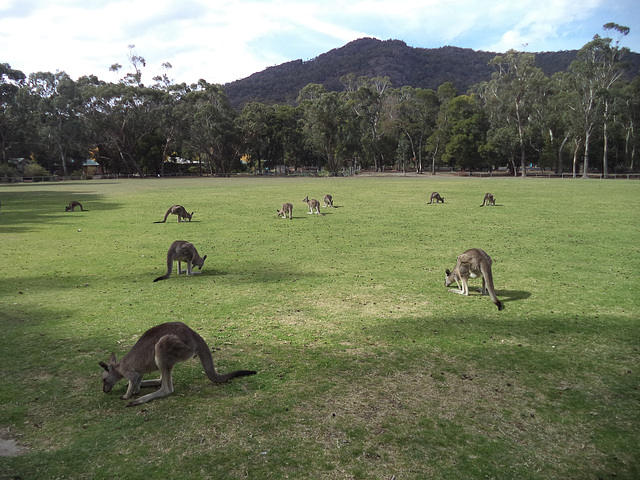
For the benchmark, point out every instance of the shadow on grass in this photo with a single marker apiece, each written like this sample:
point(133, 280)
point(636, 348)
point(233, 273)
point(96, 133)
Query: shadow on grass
point(32, 208)
point(506, 296)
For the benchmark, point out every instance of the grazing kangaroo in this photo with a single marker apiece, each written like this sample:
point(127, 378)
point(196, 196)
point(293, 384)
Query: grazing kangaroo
point(328, 201)
point(313, 203)
point(287, 209)
point(472, 264)
point(181, 251)
point(489, 200)
point(71, 207)
point(435, 196)
point(160, 348)
point(178, 210)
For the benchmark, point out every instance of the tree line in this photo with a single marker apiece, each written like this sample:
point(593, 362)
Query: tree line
point(579, 121)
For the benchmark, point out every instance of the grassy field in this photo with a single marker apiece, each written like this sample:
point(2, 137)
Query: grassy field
point(368, 368)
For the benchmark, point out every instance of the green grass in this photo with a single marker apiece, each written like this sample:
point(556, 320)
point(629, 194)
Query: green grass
point(368, 366)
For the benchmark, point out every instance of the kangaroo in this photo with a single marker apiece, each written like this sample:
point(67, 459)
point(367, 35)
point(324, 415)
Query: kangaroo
point(328, 201)
point(435, 196)
point(287, 209)
point(181, 251)
point(489, 200)
point(71, 207)
point(472, 264)
point(313, 203)
point(178, 210)
point(160, 348)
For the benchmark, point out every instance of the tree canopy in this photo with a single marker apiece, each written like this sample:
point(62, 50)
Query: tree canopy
point(520, 117)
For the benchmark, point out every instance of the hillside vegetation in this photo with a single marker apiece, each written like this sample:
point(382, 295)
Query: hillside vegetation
point(404, 65)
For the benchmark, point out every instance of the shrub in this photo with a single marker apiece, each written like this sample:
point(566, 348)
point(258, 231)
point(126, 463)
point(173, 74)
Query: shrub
point(35, 170)
point(7, 170)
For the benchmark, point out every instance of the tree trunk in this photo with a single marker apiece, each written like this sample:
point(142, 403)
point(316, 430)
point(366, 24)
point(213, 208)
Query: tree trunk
point(575, 158)
point(64, 162)
point(585, 173)
point(605, 148)
point(560, 166)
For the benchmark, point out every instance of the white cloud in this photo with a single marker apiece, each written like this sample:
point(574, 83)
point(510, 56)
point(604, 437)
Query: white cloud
point(537, 23)
point(225, 41)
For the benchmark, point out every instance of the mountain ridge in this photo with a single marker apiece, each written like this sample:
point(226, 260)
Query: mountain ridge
point(404, 65)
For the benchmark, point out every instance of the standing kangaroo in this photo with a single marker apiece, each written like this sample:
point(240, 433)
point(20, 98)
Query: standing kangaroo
point(328, 201)
point(287, 209)
point(435, 196)
point(178, 210)
point(472, 264)
point(71, 207)
point(181, 251)
point(313, 203)
point(489, 200)
point(160, 348)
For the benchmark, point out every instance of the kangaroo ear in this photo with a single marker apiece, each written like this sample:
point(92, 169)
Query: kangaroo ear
point(104, 365)
point(204, 258)
point(447, 272)
point(112, 358)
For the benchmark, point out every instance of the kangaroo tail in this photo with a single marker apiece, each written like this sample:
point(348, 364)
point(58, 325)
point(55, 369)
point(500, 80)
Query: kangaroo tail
point(204, 354)
point(165, 217)
point(169, 270)
point(492, 293)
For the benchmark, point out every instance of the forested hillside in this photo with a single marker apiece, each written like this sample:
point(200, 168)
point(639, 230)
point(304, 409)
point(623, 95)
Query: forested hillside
point(404, 65)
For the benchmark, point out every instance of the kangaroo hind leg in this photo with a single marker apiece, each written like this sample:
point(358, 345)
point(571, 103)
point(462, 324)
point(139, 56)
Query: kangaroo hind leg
point(169, 350)
point(180, 271)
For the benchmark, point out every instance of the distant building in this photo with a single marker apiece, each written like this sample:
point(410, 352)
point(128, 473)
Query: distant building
point(91, 167)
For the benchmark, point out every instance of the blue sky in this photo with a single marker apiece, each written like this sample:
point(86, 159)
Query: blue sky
point(222, 41)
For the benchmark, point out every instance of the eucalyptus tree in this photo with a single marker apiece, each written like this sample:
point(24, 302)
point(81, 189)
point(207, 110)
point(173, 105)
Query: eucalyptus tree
point(596, 69)
point(324, 119)
point(258, 129)
point(173, 120)
point(59, 126)
point(367, 97)
point(289, 135)
point(118, 118)
point(137, 62)
point(554, 118)
point(414, 113)
point(466, 144)
point(437, 141)
point(13, 112)
point(511, 95)
point(628, 117)
point(213, 133)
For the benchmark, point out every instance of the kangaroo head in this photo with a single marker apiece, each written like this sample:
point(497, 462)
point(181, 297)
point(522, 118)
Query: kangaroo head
point(110, 376)
point(306, 199)
point(200, 262)
point(449, 278)
point(67, 208)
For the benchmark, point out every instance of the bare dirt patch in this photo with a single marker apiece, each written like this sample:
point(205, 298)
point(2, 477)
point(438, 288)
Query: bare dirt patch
point(8, 445)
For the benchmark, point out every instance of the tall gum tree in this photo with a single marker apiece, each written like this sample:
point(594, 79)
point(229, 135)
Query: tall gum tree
point(596, 69)
point(511, 96)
